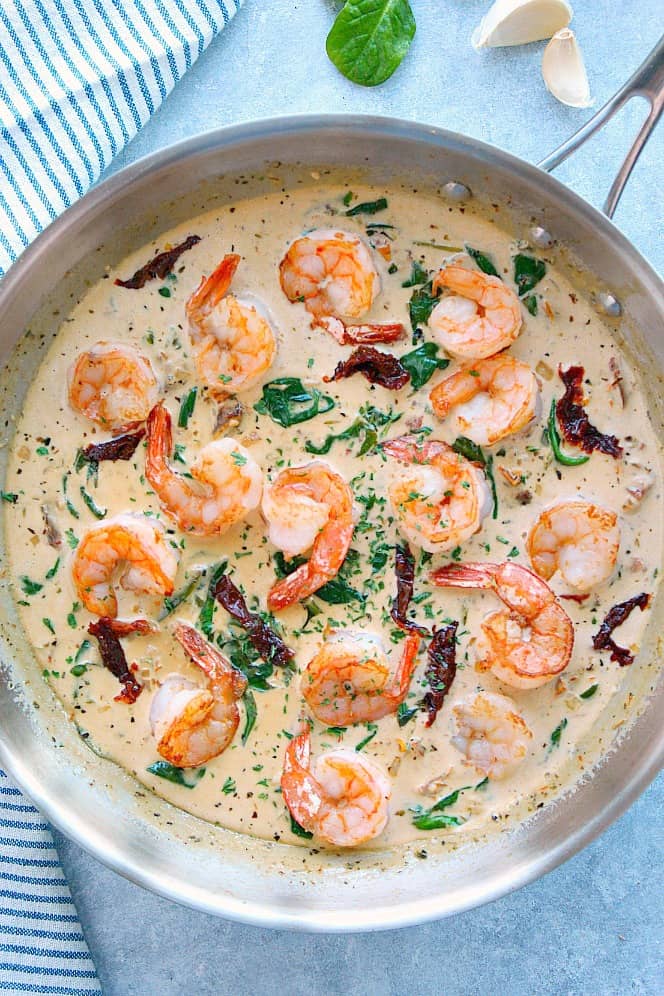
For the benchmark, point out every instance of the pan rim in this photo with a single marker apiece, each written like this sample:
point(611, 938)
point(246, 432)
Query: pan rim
point(103, 847)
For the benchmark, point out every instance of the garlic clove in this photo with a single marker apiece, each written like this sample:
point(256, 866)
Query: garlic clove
point(518, 22)
point(564, 71)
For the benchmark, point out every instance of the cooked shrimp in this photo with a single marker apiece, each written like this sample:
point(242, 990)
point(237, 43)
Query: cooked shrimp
point(349, 680)
point(438, 497)
point(113, 384)
point(135, 540)
point(226, 486)
point(578, 539)
point(481, 316)
point(342, 797)
point(233, 343)
point(192, 724)
point(490, 399)
point(309, 507)
point(332, 272)
point(530, 641)
point(491, 733)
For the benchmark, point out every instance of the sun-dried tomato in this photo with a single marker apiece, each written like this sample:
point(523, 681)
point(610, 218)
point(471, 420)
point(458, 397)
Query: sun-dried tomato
point(405, 572)
point(602, 640)
point(440, 670)
point(119, 448)
point(575, 425)
point(107, 632)
point(268, 644)
point(159, 266)
point(379, 368)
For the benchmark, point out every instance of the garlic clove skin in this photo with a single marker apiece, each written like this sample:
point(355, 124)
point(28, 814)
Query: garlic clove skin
point(518, 22)
point(564, 71)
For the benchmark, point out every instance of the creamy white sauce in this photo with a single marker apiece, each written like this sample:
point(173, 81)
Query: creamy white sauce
point(240, 788)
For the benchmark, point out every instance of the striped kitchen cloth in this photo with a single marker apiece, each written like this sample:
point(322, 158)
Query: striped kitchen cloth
point(78, 78)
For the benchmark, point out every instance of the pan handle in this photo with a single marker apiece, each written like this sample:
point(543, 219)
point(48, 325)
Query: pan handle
point(648, 82)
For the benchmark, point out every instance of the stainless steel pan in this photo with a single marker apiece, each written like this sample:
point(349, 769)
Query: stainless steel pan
point(102, 808)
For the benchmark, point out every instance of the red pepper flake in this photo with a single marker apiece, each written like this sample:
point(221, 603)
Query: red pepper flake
point(378, 368)
point(441, 669)
point(268, 644)
point(602, 640)
point(358, 335)
point(107, 632)
point(158, 267)
point(405, 571)
point(119, 448)
point(575, 425)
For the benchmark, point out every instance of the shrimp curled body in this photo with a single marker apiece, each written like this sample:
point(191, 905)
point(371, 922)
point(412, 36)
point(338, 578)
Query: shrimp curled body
point(135, 540)
point(349, 680)
point(488, 400)
point(233, 343)
point(342, 797)
point(438, 497)
point(491, 733)
point(331, 272)
point(227, 482)
point(308, 507)
point(578, 539)
point(113, 384)
point(480, 317)
point(192, 724)
point(530, 641)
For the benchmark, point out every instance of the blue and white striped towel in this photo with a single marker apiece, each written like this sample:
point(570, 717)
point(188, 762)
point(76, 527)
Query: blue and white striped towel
point(78, 78)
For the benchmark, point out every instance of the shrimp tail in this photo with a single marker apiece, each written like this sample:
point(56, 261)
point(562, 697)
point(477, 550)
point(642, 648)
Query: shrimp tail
point(209, 659)
point(300, 789)
point(404, 671)
point(321, 568)
point(465, 575)
point(354, 335)
point(160, 441)
point(212, 289)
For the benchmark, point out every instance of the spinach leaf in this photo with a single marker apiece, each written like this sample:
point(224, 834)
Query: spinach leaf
point(288, 402)
point(405, 714)
point(528, 272)
point(164, 769)
point(421, 305)
point(418, 275)
point(471, 451)
point(368, 424)
point(557, 733)
point(244, 656)
point(206, 614)
point(30, 587)
point(369, 39)
point(368, 207)
point(589, 692)
point(339, 592)
point(422, 363)
point(171, 602)
point(187, 408)
point(250, 714)
point(483, 261)
point(373, 730)
point(99, 513)
point(298, 830)
point(531, 304)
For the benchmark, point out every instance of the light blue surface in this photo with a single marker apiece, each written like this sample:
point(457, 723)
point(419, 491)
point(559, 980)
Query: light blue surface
point(594, 925)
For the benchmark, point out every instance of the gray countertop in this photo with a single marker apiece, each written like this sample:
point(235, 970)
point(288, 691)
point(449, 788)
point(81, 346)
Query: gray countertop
point(595, 924)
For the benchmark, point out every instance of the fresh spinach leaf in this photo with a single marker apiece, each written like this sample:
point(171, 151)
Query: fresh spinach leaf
point(557, 733)
point(298, 830)
point(483, 261)
point(288, 402)
point(418, 275)
point(367, 426)
point(406, 713)
point(164, 769)
point(370, 38)
point(373, 730)
point(187, 408)
point(531, 304)
point(528, 272)
point(368, 207)
point(421, 304)
point(250, 714)
point(422, 363)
